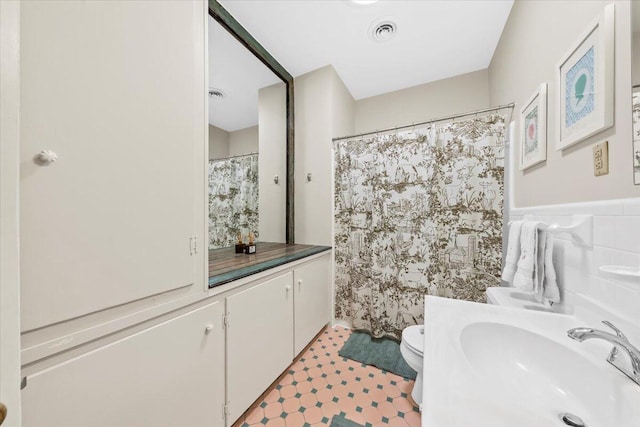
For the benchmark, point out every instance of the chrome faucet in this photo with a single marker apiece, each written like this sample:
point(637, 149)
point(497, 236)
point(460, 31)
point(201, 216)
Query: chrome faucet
point(619, 341)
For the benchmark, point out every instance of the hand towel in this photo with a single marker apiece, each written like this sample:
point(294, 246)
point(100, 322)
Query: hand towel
point(525, 277)
point(539, 266)
point(513, 252)
point(551, 293)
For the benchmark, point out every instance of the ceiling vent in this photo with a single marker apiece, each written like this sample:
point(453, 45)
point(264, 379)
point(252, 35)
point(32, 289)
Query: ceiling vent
point(382, 30)
point(216, 93)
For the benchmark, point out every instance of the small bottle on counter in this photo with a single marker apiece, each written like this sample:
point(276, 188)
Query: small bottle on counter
point(240, 244)
point(250, 248)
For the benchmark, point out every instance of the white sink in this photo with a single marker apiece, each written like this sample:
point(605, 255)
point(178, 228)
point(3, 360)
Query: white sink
point(496, 366)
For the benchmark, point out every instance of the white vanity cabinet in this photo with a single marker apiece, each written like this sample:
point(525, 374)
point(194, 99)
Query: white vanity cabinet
point(269, 323)
point(199, 367)
point(169, 375)
point(312, 296)
point(259, 340)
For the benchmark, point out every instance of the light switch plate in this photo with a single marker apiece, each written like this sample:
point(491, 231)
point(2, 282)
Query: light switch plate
point(601, 159)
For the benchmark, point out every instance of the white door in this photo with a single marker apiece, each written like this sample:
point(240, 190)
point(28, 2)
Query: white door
point(169, 375)
point(9, 235)
point(259, 341)
point(116, 90)
point(311, 314)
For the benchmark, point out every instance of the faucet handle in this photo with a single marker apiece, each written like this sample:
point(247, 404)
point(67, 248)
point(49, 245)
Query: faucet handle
point(617, 331)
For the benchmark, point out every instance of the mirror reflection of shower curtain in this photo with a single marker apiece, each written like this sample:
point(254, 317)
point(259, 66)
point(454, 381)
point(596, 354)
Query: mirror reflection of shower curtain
point(417, 212)
point(233, 199)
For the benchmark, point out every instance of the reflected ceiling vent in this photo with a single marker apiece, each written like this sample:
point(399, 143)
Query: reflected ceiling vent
point(216, 93)
point(382, 30)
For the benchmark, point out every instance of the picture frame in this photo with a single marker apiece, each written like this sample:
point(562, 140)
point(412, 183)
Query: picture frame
point(533, 129)
point(585, 83)
point(635, 114)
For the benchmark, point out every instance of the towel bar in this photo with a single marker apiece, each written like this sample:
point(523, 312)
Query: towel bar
point(580, 230)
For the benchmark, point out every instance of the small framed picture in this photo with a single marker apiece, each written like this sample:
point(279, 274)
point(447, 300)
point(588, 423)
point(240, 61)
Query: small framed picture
point(636, 134)
point(533, 129)
point(585, 83)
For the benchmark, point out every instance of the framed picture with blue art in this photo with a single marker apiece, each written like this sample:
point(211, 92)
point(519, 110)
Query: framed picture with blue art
point(585, 83)
point(635, 114)
point(533, 129)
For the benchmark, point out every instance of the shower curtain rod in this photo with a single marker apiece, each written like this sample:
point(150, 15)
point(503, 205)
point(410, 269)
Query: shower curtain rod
point(233, 157)
point(426, 122)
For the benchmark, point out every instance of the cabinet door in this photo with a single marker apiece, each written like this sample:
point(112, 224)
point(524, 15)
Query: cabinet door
point(311, 313)
point(116, 89)
point(171, 374)
point(259, 340)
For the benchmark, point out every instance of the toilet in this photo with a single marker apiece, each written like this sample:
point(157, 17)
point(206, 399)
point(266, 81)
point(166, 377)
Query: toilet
point(412, 350)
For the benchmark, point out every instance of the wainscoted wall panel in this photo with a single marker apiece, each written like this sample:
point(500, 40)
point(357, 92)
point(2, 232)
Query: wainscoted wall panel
point(417, 212)
point(233, 199)
point(616, 241)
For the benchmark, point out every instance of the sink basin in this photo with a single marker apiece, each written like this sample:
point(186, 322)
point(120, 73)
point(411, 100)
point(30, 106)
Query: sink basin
point(494, 366)
point(551, 377)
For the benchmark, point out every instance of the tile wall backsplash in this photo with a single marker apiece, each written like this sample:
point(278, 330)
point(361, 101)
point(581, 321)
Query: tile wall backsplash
point(616, 241)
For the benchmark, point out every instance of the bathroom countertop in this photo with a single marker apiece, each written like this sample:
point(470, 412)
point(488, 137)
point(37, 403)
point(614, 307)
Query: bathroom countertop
point(226, 266)
point(502, 366)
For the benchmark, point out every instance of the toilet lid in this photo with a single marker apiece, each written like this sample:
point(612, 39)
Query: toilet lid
point(414, 338)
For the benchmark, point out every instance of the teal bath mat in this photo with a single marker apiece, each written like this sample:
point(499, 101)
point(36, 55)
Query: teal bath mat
point(340, 421)
point(383, 353)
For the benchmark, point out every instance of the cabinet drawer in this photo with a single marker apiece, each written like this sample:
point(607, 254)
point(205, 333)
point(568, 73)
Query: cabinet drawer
point(171, 374)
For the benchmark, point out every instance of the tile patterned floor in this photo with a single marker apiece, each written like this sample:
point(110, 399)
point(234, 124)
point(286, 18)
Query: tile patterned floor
point(322, 384)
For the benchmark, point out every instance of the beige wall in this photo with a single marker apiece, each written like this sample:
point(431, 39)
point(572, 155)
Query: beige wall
point(535, 38)
point(218, 143)
point(324, 109)
point(272, 161)
point(457, 94)
point(243, 141)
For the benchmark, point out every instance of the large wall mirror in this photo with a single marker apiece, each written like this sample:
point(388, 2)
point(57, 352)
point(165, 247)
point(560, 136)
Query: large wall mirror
point(635, 81)
point(250, 166)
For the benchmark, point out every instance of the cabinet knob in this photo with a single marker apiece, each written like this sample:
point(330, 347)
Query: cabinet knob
point(208, 329)
point(47, 157)
point(3, 412)
point(288, 288)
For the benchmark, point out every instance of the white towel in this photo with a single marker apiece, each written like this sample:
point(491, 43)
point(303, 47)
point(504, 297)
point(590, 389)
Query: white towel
point(551, 292)
point(539, 266)
point(535, 272)
point(513, 252)
point(526, 273)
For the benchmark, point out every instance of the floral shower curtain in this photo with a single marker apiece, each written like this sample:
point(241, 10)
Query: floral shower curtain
point(417, 212)
point(233, 199)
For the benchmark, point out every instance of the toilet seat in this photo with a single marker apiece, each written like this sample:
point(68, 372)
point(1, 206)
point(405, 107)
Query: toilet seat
point(413, 338)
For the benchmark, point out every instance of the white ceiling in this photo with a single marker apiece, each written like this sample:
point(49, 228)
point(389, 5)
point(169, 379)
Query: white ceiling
point(435, 39)
point(239, 74)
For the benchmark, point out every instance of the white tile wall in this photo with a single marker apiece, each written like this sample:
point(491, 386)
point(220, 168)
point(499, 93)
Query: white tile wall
point(616, 241)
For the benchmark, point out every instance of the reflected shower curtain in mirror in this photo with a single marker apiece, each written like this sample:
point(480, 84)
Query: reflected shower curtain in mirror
point(417, 212)
point(233, 199)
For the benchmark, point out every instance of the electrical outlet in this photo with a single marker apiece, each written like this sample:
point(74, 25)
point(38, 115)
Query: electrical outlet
point(601, 159)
